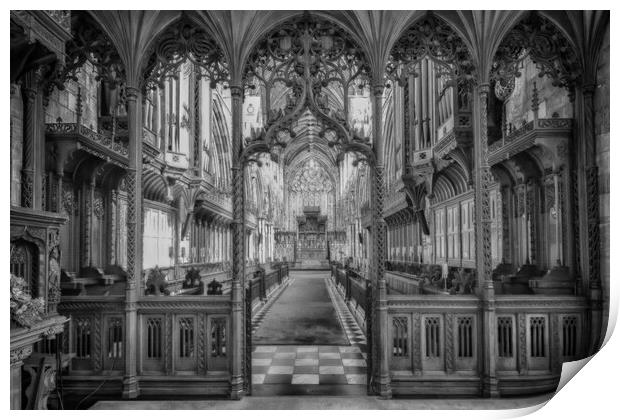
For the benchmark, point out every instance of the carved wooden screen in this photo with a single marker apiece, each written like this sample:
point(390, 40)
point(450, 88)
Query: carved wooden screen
point(505, 343)
point(465, 340)
point(537, 337)
point(218, 343)
point(82, 342)
point(113, 346)
point(538, 342)
point(400, 337)
point(401, 343)
point(154, 334)
point(507, 348)
point(570, 339)
point(432, 343)
point(185, 358)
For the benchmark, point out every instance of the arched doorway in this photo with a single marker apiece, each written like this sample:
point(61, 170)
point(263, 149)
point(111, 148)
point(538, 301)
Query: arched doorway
point(306, 123)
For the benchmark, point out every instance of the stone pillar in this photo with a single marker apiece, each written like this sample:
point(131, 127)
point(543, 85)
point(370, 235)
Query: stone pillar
point(87, 221)
point(381, 348)
point(239, 363)
point(33, 141)
point(591, 260)
point(134, 240)
point(508, 236)
point(484, 267)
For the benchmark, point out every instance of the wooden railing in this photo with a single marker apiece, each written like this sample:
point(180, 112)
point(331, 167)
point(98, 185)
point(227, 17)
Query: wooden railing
point(181, 345)
point(262, 282)
point(436, 342)
point(353, 288)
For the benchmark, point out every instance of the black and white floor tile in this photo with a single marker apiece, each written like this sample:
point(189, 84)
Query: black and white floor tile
point(308, 365)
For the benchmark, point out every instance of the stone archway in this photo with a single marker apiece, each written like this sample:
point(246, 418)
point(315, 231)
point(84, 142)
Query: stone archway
point(300, 68)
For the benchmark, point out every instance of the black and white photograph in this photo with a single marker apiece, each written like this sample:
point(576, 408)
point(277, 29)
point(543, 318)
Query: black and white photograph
point(307, 209)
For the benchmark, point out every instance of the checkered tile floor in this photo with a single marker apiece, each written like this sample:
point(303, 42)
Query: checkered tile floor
point(312, 365)
point(354, 333)
point(309, 365)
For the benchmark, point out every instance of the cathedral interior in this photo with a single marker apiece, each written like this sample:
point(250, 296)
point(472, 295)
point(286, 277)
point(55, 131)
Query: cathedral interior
point(222, 204)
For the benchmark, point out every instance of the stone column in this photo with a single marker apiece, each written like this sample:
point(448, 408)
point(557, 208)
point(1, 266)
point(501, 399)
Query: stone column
point(87, 221)
point(591, 254)
point(33, 143)
point(134, 240)
point(482, 226)
point(239, 362)
point(508, 236)
point(381, 348)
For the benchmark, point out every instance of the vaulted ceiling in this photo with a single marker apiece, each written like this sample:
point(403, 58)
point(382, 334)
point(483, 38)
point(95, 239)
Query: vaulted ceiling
point(376, 31)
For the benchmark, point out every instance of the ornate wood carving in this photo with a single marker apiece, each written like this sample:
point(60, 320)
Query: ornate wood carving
point(431, 37)
point(130, 182)
point(482, 198)
point(97, 357)
point(449, 342)
point(31, 120)
point(306, 55)
point(21, 353)
point(87, 223)
point(521, 342)
point(594, 240)
point(90, 44)
point(416, 343)
point(545, 44)
point(98, 206)
point(181, 42)
point(506, 196)
point(202, 343)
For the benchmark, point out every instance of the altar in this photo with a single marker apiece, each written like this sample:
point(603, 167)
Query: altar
point(312, 237)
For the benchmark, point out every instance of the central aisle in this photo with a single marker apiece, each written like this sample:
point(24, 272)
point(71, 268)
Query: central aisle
point(303, 314)
point(300, 347)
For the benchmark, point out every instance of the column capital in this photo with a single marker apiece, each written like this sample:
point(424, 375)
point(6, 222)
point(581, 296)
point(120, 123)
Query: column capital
point(132, 93)
point(484, 88)
point(588, 89)
point(236, 91)
point(378, 89)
